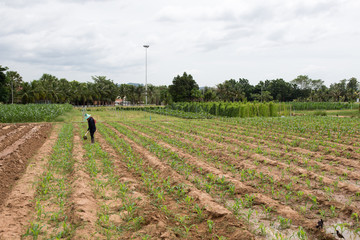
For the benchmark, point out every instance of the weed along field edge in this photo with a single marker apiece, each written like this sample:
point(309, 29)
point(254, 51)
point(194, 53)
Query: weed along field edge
point(152, 176)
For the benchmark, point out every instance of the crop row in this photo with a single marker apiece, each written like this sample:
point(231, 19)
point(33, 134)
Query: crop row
point(52, 192)
point(180, 113)
point(221, 187)
point(267, 157)
point(186, 214)
point(291, 192)
point(305, 152)
point(232, 109)
point(31, 112)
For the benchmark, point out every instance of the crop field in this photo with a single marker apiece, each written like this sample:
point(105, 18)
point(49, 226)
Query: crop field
point(151, 176)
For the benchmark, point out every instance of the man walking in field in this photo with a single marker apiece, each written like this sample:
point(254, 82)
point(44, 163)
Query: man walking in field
point(92, 127)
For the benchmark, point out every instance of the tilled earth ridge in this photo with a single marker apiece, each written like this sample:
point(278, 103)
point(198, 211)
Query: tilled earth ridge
point(16, 153)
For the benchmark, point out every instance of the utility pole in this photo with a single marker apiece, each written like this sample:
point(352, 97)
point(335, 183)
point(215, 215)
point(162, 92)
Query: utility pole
point(146, 47)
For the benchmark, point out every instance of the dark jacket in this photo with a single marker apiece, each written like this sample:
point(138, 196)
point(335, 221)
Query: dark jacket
point(91, 123)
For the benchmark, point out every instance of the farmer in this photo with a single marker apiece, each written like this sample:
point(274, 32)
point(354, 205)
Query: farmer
point(92, 127)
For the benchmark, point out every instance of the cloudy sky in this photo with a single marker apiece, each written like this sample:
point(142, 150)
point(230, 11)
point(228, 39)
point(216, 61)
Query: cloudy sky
point(214, 40)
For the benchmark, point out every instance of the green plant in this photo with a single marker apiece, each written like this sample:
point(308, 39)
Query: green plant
point(301, 234)
point(267, 211)
point(322, 213)
point(248, 215)
point(146, 237)
point(199, 211)
point(355, 216)
point(279, 236)
point(236, 206)
point(182, 219)
point(34, 230)
point(231, 189)
point(248, 200)
point(333, 211)
point(188, 200)
point(262, 229)
point(187, 229)
point(284, 222)
point(210, 224)
point(221, 237)
point(314, 203)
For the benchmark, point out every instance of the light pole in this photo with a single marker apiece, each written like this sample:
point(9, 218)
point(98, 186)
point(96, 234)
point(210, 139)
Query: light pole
point(146, 47)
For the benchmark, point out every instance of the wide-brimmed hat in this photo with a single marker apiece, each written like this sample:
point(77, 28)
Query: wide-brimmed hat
point(87, 116)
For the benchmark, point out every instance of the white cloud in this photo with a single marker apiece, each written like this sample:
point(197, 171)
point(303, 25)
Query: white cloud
point(212, 40)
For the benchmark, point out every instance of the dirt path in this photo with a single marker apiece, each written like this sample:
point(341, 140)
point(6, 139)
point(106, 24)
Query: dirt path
point(84, 204)
point(18, 208)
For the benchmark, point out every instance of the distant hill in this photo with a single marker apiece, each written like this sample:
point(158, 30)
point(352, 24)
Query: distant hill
point(135, 84)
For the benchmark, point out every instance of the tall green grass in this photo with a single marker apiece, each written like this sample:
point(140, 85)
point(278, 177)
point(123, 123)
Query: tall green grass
point(11, 113)
point(231, 109)
point(299, 106)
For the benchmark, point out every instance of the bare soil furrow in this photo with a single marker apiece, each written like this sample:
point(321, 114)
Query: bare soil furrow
point(14, 159)
point(321, 198)
point(84, 204)
point(332, 148)
point(272, 142)
point(280, 129)
point(18, 208)
point(331, 164)
point(13, 137)
point(157, 224)
point(6, 130)
point(240, 187)
point(349, 187)
point(215, 210)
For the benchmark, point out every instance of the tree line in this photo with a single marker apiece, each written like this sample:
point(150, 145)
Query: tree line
point(301, 89)
point(103, 91)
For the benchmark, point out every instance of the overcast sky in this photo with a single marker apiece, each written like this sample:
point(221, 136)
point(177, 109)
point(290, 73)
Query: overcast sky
point(214, 40)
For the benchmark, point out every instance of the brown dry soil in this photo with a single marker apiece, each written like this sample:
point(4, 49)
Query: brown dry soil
point(24, 149)
point(18, 144)
point(17, 209)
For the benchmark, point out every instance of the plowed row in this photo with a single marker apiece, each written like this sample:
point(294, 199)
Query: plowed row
point(177, 179)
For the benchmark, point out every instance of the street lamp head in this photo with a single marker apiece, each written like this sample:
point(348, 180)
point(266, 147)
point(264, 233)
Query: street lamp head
point(146, 46)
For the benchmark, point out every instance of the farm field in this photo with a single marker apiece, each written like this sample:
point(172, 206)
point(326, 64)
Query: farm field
point(152, 176)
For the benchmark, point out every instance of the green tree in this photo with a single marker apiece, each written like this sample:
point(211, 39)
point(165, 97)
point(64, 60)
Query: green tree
point(165, 96)
point(151, 94)
point(131, 94)
point(245, 88)
point(106, 90)
point(25, 93)
point(4, 89)
point(65, 91)
point(15, 82)
point(337, 91)
point(209, 94)
point(303, 82)
point(232, 90)
point(352, 89)
point(259, 92)
point(279, 89)
point(182, 88)
point(139, 93)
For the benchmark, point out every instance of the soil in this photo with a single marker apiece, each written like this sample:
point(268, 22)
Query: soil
point(84, 205)
point(25, 150)
point(20, 145)
point(18, 208)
